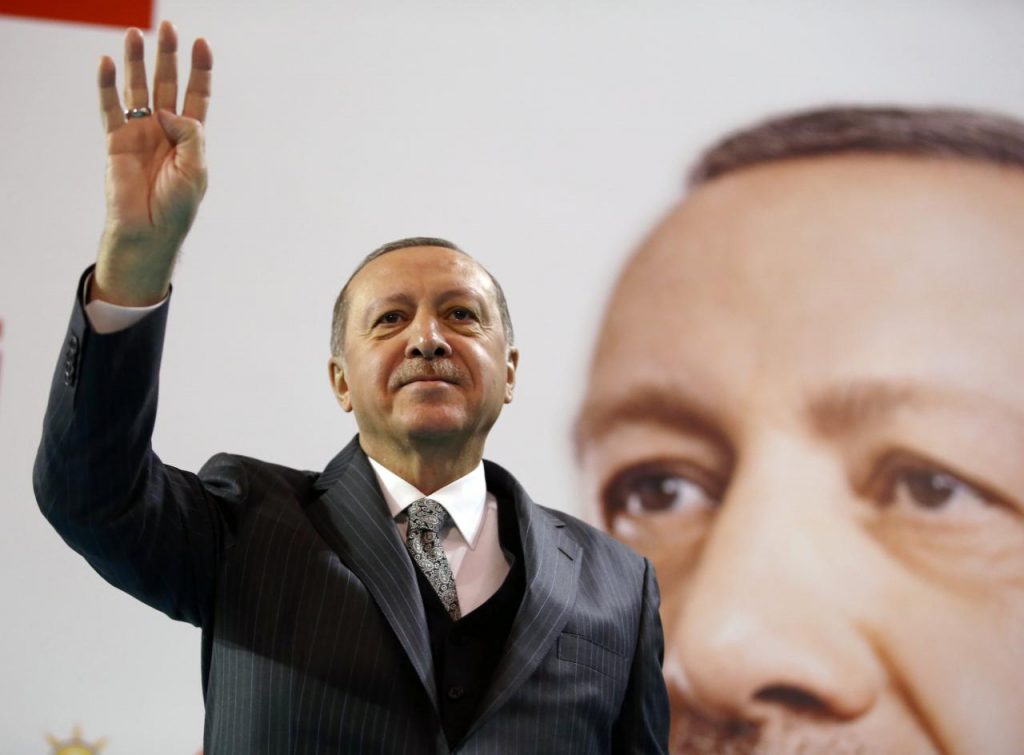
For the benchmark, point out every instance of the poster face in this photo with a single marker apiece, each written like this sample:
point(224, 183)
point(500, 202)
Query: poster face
point(805, 410)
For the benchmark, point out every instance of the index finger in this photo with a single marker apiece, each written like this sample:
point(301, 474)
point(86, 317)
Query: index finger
point(197, 93)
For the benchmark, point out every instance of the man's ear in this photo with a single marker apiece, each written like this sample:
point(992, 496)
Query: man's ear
point(336, 373)
point(511, 365)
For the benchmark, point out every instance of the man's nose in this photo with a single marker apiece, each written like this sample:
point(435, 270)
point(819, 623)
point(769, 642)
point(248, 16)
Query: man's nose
point(426, 339)
point(770, 619)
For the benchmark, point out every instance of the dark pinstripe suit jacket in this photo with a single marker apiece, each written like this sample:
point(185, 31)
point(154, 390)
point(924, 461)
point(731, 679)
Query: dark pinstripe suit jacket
point(314, 635)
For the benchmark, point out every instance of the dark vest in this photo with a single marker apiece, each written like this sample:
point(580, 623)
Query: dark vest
point(466, 651)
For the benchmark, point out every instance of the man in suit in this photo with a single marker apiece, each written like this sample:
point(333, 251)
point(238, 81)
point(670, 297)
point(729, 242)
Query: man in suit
point(409, 598)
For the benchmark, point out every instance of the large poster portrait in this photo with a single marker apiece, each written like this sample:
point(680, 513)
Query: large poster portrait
point(804, 408)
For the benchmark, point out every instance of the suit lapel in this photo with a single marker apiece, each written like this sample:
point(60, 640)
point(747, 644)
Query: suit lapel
point(552, 561)
point(353, 518)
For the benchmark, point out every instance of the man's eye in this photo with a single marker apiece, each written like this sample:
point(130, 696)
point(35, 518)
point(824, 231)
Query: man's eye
point(460, 313)
point(930, 489)
point(651, 490)
point(389, 318)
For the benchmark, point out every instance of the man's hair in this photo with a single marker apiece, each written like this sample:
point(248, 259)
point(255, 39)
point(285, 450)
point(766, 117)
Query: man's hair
point(925, 132)
point(340, 319)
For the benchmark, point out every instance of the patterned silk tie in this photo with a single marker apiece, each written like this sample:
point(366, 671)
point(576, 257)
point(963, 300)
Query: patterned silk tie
point(423, 539)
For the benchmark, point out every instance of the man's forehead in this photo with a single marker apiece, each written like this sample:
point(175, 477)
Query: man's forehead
point(438, 271)
point(420, 261)
point(439, 257)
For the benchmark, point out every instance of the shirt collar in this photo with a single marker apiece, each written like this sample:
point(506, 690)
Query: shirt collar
point(464, 499)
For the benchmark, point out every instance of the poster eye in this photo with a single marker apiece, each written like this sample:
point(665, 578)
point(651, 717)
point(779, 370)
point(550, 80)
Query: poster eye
point(647, 490)
point(931, 489)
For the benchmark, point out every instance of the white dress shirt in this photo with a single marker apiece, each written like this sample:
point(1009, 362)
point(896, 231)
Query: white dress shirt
point(105, 317)
point(470, 537)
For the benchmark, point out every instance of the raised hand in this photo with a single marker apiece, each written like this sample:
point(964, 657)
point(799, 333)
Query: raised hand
point(156, 168)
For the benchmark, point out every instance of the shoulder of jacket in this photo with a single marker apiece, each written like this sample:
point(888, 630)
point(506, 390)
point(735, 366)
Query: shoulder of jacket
point(233, 476)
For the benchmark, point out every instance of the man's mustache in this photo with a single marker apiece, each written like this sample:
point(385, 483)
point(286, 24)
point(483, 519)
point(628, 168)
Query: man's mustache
point(413, 370)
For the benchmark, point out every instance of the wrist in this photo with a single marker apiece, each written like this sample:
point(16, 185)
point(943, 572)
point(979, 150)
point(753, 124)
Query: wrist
point(131, 273)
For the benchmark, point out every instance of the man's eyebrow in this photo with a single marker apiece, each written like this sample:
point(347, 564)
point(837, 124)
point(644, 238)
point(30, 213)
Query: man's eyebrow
point(389, 301)
point(461, 292)
point(668, 406)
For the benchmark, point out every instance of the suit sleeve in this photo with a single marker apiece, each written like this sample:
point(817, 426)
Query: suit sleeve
point(150, 529)
point(644, 720)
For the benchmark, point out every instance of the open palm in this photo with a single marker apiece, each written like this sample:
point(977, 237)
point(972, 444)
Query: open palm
point(156, 169)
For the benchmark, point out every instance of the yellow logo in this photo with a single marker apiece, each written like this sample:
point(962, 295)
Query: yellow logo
point(76, 745)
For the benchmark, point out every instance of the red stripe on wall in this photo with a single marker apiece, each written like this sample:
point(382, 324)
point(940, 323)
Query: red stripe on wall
point(106, 12)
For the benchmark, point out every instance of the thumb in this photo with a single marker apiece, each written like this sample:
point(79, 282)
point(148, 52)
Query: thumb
point(184, 133)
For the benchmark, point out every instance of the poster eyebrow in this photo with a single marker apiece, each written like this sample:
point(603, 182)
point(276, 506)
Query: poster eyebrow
point(662, 405)
point(849, 406)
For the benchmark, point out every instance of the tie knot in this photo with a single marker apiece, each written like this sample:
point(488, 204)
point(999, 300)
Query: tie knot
point(426, 515)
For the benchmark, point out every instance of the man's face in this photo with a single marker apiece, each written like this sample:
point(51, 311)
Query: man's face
point(806, 408)
point(425, 356)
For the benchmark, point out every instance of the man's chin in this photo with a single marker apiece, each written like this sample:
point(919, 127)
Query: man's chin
point(438, 425)
point(434, 435)
point(439, 417)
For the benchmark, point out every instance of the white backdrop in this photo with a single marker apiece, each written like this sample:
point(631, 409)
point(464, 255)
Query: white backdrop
point(544, 138)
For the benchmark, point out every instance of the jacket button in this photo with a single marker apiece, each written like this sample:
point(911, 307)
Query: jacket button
point(456, 692)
